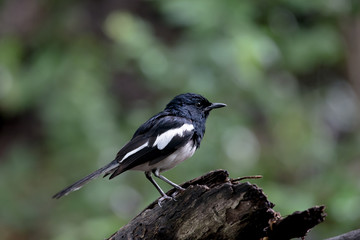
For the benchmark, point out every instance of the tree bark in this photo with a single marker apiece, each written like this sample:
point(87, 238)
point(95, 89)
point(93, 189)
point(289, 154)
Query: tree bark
point(214, 206)
point(353, 235)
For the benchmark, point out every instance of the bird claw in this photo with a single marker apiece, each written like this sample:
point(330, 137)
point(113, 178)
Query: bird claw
point(164, 198)
point(175, 194)
point(181, 189)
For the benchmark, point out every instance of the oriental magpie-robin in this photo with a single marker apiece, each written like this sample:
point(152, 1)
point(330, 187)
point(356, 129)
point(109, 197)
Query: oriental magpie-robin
point(161, 143)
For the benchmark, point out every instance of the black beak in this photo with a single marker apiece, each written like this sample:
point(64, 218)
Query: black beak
point(215, 105)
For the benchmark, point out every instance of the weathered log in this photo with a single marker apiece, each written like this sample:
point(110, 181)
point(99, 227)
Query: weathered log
point(296, 224)
point(353, 235)
point(214, 206)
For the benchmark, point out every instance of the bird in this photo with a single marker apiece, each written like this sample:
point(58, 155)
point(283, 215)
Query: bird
point(165, 140)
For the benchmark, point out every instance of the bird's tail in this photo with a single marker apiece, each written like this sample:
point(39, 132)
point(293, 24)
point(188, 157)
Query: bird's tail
point(79, 184)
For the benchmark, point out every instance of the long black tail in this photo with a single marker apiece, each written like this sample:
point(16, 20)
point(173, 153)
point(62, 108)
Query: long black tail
point(79, 184)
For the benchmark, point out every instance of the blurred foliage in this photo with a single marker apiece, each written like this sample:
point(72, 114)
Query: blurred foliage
point(78, 77)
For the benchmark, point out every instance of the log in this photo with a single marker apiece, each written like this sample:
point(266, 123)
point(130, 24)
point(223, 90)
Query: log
point(353, 235)
point(214, 206)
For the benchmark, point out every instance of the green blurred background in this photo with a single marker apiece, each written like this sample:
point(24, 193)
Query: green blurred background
point(78, 77)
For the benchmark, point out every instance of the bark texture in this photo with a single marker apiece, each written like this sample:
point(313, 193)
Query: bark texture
point(353, 235)
point(214, 206)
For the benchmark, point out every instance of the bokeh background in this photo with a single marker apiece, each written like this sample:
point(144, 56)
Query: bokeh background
point(78, 77)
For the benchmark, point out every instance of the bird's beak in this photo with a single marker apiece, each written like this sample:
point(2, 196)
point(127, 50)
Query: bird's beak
point(215, 105)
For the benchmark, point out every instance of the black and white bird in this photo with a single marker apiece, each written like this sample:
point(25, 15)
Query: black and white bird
point(162, 142)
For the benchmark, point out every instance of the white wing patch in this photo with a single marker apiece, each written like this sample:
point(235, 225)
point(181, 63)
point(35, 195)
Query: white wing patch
point(163, 139)
point(135, 151)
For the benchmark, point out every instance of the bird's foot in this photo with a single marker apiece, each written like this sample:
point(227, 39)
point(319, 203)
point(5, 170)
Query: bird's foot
point(179, 190)
point(163, 199)
point(166, 197)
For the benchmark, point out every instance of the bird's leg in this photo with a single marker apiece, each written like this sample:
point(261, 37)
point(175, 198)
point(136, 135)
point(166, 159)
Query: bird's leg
point(157, 174)
point(164, 196)
point(148, 176)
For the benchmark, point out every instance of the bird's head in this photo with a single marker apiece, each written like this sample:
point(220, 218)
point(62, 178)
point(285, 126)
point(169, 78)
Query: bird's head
point(193, 106)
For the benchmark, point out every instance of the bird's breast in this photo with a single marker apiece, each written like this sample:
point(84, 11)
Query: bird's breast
point(172, 160)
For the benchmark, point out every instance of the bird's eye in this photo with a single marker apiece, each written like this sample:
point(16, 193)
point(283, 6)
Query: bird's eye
point(198, 104)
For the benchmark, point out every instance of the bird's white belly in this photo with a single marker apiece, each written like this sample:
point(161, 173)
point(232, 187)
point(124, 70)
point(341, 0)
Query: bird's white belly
point(171, 161)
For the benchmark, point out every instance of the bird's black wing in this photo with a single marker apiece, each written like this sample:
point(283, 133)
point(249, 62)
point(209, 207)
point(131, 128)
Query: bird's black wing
point(149, 125)
point(155, 140)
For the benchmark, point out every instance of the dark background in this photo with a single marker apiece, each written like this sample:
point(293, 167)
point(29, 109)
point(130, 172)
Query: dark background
point(78, 77)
